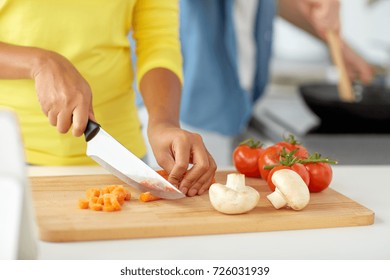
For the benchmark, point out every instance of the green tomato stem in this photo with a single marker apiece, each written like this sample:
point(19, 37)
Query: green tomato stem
point(251, 143)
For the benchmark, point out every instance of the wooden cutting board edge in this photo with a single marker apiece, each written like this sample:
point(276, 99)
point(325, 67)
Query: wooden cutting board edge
point(363, 216)
point(68, 236)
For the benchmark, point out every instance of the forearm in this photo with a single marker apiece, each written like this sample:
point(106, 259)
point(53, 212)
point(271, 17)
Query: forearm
point(18, 62)
point(64, 95)
point(161, 93)
point(288, 10)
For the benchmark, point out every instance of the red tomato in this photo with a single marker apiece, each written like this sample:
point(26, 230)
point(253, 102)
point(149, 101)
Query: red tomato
point(291, 144)
point(246, 156)
point(297, 167)
point(320, 176)
point(270, 156)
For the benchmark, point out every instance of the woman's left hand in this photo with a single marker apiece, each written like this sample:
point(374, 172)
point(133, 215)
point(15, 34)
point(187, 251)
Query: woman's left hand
point(175, 150)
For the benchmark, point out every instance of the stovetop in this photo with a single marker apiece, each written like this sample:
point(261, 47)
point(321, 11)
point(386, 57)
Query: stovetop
point(279, 116)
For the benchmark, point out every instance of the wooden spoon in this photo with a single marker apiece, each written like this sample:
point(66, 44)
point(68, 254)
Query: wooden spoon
point(344, 85)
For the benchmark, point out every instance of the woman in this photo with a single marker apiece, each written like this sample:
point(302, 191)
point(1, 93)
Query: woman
point(71, 61)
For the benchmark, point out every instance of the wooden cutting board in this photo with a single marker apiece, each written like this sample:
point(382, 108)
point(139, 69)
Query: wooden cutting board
point(59, 219)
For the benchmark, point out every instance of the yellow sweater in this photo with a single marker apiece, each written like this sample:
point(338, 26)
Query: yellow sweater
point(92, 34)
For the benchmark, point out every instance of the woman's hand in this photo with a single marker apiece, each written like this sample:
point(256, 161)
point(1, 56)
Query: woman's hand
point(64, 95)
point(175, 149)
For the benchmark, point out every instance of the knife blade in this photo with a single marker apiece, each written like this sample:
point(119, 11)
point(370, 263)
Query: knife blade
point(119, 161)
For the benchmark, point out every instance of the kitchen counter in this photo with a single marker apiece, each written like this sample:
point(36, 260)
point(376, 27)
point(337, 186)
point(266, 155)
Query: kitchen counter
point(367, 185)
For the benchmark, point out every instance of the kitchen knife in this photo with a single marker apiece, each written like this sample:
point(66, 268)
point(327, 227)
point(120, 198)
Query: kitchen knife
point(119, 161)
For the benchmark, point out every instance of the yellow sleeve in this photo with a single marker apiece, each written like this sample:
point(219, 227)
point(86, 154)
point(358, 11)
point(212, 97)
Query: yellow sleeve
point(156, 33)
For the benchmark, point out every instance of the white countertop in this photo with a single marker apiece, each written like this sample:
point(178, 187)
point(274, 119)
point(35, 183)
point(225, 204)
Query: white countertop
point(368, 185)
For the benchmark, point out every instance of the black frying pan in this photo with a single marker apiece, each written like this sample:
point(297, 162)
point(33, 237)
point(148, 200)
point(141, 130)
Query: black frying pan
point(370, 114)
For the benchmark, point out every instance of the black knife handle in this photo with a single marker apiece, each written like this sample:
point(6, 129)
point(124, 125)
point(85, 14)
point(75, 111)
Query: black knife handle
point(91, 130)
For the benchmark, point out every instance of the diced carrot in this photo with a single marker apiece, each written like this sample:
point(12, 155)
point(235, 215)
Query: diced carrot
point(104, 190)
point(100, 200)
point(163, 173)
point(128, 196)
point(94, 204)
point(92, 192)
point(108, 208)
point(93, 200)
point(147, 196)
point(109, 188)
point(109, 198)
point(120, 193)
point(83, 203)
point(96, 207)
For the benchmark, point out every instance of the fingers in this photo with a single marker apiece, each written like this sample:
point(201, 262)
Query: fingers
point(199, 177)
point(364, 72)
point(80, 120)
point(64, 95)
point(179, 164)
point(357, 67)
point(367, 75)
point(66, 118)
point(64, 121)
point(60, 119)
point(207, 170)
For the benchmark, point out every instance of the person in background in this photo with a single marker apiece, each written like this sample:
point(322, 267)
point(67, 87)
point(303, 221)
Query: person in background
point(62, 63)
point(319, 16)
point(226, 47)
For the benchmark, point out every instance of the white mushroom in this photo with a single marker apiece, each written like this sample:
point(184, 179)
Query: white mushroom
point(234, 197)
point(290, 190)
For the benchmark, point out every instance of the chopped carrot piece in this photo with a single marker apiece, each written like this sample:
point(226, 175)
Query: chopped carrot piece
point(163, 173)
point(128, 196)
point(108, 208)
point(92, 192)
point(100, 200)
point(104, 190)
point(109, 198)
point(109, 189)
point(147, 196)
point(94, 205)
point(83, 203)
point(120, 193)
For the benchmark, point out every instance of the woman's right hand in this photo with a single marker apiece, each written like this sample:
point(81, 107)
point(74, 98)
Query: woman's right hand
point(64, 95)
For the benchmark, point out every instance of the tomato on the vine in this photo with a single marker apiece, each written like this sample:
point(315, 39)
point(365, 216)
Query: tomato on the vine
point(320, 175)
point(270, 156)
point(246, 156)
point(297, 167)
point(292, 144)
